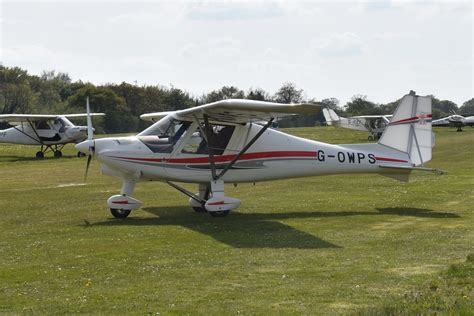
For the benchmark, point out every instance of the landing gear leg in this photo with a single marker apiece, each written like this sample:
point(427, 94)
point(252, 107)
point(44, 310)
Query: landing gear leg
point(57, 151)
point(220, 205)
point(204, 192)
point(40, 153)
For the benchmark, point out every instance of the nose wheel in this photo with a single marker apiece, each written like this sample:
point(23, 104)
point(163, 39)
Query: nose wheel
point(119, 213)
point(219, 213)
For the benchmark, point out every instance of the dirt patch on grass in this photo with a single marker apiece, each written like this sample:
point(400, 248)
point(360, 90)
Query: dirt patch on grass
point(416, 270)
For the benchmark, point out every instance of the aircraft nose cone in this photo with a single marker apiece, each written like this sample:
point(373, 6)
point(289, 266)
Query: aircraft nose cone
point(83, 147)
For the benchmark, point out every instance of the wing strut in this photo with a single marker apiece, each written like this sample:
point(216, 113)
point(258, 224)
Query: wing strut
point(208, 137)
point(209, 148)
point(188, 193)
point(250, 143)
point(39, 141)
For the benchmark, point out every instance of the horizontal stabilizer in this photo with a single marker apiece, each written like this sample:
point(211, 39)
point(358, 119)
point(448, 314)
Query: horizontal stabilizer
point(437, 171)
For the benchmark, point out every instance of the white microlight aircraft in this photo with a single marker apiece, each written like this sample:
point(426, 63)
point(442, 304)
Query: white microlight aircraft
point(233, 149)
point(374, 124)
point(51, 132)
point(455, 120)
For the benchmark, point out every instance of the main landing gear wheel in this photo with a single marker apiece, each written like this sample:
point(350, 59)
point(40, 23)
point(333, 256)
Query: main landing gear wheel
point(219, 213)
point(39, 155)
point(58, 154)
point(79, 154)
point(200, 209)
point(119, 213)
point(370, 138)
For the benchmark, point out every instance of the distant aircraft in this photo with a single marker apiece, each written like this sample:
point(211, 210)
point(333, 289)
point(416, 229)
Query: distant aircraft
point(374, 124)
point(232, 148)
point(51, 132)
point(455, 120)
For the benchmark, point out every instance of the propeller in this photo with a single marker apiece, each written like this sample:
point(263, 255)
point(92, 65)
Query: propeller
point(90, 143)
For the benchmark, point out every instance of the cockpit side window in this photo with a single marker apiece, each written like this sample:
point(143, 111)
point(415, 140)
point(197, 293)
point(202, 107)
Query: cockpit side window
point(218, 140)
point(42, 125)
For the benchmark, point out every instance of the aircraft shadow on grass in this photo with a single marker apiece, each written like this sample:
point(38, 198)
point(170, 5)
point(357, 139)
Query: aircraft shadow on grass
point(23, 159)
point(257, 230)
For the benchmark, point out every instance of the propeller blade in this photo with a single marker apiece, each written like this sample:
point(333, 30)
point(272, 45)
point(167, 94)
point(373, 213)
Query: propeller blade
point(90, 130)
point(89, 158)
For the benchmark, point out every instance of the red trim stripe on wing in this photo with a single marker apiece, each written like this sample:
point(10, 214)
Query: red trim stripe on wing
point(225, 158)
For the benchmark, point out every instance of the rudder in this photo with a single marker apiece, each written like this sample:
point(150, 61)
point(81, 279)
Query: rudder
point(410, 128)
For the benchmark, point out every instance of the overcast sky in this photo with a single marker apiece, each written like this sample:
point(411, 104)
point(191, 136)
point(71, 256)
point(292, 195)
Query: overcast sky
point(330, 49)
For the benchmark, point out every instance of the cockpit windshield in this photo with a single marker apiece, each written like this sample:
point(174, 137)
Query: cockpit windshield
point(164, 128)
point(162, 136)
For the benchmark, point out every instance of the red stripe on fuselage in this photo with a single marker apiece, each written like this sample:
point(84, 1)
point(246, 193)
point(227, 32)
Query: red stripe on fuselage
point(389, 159)
point(225, 158)
point(412, 119)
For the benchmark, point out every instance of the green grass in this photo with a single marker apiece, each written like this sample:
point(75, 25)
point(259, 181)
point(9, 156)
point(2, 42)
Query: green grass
point(318, 245)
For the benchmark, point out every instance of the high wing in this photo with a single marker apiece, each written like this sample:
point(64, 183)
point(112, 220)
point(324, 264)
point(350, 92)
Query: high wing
point(155, 117)
point(372, 116)
point(18, 118)
point(240, 111)
point(441, 122)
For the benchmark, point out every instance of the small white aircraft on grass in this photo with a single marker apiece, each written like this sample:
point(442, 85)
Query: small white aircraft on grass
point(51, 132)
point(374, 124)
point(455, 120)
point(233, 149)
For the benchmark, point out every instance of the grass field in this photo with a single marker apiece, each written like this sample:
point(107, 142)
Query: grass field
point(320, 245)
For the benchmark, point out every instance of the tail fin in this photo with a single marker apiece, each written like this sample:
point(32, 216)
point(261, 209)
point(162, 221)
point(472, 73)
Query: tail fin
point(410, 129)
point(330, 116)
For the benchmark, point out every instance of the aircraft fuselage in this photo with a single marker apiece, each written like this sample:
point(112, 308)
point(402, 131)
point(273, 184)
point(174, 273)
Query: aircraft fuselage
point(275, 155)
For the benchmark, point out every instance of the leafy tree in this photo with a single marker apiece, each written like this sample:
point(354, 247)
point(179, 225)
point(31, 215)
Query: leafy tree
point(177, 99)
point(288, 93)
point(467, 107)
point(359, 105)
point(226, 92)
point(331, 103)
point(442, 108)
point(118, 118)
point(257, 94)
point(17, 98)
point(16, 95)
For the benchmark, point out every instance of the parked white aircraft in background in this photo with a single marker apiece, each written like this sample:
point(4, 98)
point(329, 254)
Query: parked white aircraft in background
point(51, 132)
point(234, 149)
point(374, 124)
point(455, 120)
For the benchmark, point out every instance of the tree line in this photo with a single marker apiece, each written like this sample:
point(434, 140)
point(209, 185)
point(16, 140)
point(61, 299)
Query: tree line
point(54, 92)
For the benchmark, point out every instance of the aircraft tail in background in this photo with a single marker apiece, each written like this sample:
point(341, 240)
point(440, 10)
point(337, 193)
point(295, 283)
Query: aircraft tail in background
point(330, 116)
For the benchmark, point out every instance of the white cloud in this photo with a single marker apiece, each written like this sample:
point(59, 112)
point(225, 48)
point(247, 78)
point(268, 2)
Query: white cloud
point(339, 45)
point(327, 48)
